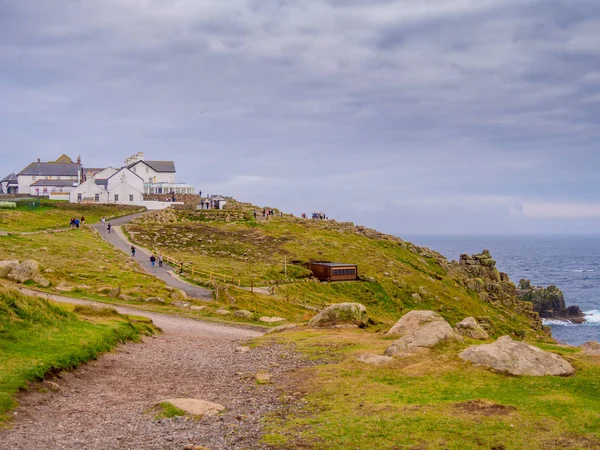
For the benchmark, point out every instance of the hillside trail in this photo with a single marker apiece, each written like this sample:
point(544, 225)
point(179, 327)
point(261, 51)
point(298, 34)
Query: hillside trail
point(118, 240)
point(110, 403)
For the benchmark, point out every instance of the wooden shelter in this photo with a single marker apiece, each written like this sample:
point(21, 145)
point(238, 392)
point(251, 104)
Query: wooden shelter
point(330, 271)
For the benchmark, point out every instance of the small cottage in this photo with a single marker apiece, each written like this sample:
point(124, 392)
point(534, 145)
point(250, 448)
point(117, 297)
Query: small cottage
point(330, 271)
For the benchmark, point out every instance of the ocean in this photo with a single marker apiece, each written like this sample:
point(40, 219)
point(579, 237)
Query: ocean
point(570, 262)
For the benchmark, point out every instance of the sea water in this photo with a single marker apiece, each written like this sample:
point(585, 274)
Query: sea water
point(570, 262)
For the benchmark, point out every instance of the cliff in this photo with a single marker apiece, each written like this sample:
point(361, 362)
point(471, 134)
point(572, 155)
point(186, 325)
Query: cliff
point(549, 302)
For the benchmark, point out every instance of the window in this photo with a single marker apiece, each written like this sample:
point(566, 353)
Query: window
point(97, 197)
point(116, 197)
point(130, 197)
point(343, 271)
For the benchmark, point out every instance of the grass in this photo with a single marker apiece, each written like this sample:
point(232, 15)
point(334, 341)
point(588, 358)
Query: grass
point(429, 401)
point(53, 215)
point(168, 411)
point(38, 338)
point(396, 276)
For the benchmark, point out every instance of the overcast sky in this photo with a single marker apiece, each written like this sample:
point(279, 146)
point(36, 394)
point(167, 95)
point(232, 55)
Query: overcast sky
point(411, 116)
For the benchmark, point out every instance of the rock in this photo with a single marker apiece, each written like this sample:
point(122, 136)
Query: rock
point(517, 358)
point(7, 266)
point(419, 329)
point(372, 358)
point(114, 292)
point(263, 377)
point(416, 297)
point(63, 287)
point(155, 300)
point(197, 307)
point(548, 302)
point(340, 314)
point(49, 270)
point(244, 314)
point(271, 319)
point(41, 281)
point(591, 348)
point(127, 298)
point(222, 312)
point(281, 328)
point(25, 271)
point(195, 407)
point(242, 349)
point(471, 329)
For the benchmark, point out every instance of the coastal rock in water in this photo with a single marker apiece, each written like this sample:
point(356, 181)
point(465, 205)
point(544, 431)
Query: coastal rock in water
point(517, 358)
point(341, 314)
point(419, 329)
point(549, 302)
point(471, 329)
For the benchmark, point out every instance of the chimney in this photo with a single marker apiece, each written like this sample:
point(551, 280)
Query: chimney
point(79, 159)
point(39, 160)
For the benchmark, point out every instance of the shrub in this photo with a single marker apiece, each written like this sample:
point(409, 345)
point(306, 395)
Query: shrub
point(8, 205)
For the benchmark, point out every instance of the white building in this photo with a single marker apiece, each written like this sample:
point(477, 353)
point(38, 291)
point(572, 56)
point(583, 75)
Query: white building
point(43, 178)
point(124, 186)
point(159, 176)
point(9, 184)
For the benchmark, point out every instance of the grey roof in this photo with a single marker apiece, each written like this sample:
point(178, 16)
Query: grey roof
point(331, 264)
point(158, 166)
point(122, 169)
point(50, 169)
point(60, 183)
point(10, 178)
point(102, 182)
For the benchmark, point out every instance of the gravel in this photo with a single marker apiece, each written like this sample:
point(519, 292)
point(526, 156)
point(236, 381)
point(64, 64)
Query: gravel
point(109, 403)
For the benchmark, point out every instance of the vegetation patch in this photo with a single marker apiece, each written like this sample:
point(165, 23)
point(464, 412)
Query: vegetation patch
point(165, 410)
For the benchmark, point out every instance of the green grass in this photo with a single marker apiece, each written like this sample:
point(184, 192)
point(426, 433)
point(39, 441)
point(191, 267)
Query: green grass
point(54, 215)
point(399, 277)
point(38, 337)
point(430, 401)
point(168, 411)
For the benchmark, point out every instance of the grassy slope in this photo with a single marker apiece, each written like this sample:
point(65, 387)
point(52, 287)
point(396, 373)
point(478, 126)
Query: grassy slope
point(246, 250)
point(431, 401)
point(37, 337)
point(53, 215)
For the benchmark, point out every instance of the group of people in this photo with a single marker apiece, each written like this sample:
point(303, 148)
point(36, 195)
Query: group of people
point(105, 225)
point(153, 257)
point(75, 222)
point(316, 215)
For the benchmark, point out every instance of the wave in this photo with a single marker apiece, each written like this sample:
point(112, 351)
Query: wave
point(583, 270)
point(592, 316)
point(560, 323)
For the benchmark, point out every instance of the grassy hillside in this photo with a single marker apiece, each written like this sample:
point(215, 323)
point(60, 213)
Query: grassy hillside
point(47, 214)
point(38, 337)
point(429, 401)
point(395, 275)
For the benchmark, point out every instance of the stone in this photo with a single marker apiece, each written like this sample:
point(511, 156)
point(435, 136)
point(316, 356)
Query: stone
point(281, 328)
point(155, 300)
point(591, 348)
point(372, 358)
point(419, 329)
point(195, 407)
point(271, 319)
point(244, 314)
point(114, 292)
point(549, 302)
point(222, 312)
point(41, 281)
point(197, 307)
point(63, 287)
point(7, 266)
point(242, 349)
point(517, 358)
point(470, 328)
point(341, 314)
point(25, 271)
point(263, 377)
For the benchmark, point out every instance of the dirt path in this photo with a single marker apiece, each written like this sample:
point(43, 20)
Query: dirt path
point(107, 404)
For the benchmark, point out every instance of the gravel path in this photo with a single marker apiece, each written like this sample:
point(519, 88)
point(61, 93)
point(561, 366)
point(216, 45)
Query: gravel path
point(108, 403)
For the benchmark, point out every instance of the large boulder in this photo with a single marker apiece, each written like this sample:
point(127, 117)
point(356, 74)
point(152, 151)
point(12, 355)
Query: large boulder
point(470, 328)
point(419, 329)
point(27, 270)
point(7, 266)
point(591, 348)
point(341, 314)
point(517, 358)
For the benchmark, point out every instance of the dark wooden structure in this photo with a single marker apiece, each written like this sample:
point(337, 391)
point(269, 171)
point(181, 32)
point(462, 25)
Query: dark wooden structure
point(330, 271)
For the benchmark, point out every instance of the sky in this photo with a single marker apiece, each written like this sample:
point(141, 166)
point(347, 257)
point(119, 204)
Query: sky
point(409, 116)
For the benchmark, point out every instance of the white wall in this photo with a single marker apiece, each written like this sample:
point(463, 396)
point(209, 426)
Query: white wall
point(126, 176)
point(88, 190)
point(126, 193)
point(151, 176)
point(38, 191)
point(150, 205)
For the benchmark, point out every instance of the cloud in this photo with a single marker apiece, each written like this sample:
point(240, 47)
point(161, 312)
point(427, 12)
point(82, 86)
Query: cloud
point(562, 210)
point(384, 104)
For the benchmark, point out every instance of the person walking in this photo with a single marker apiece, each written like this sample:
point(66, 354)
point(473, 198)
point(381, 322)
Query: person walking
point(152, 260)
point(82, 220)
point(160, 260)
point(133, 251)
point(109, 226)
point(103, 220)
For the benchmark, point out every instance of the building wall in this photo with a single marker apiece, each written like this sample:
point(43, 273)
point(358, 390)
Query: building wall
point(125, 176)
point(25, 182)
point(151, 176)
point(88, 191)
point(44, 191)
point(126, 194)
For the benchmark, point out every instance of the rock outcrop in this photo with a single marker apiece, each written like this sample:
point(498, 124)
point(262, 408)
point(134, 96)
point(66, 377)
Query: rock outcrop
point(470, 328)
point(591, 348)
point(517, 358)
point(549, 302)
point(419, 329)
point(341, 314)
point(28, 270)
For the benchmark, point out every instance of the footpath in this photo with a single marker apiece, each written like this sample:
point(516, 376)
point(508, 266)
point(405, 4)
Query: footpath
point(118, 240)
